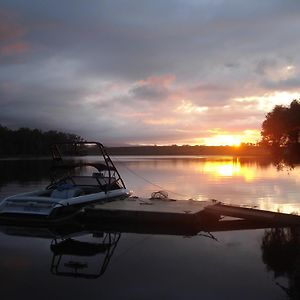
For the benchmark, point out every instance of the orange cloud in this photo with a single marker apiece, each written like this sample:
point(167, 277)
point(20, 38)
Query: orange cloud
point(15, 48)
point(161, 121)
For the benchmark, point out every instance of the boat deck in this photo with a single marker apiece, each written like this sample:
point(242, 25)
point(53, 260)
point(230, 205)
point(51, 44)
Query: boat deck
point(155, 205)
point(145, 209)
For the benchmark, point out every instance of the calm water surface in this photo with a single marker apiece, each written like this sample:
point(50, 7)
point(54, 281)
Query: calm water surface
point(239, 264)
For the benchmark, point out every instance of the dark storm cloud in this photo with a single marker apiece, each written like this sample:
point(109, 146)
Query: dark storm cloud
point(80, 66)
point(265, 65)
point(292, 83)
point(38, 106)
point(135, 39)
point(148, 92)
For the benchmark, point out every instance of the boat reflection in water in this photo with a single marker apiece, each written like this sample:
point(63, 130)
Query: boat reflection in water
point(84, 250)
point(101, 249)
point(76, 252)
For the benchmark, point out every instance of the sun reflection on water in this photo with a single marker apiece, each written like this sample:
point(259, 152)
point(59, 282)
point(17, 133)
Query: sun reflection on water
point(266, 203)
point(228, 168)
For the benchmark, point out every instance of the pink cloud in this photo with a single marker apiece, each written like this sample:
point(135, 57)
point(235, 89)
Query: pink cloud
point(11, 34)
point(9, 27)
point(14, 48)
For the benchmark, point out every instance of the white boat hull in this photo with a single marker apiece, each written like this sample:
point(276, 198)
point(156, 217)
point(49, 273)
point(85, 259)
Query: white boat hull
point(32, 204)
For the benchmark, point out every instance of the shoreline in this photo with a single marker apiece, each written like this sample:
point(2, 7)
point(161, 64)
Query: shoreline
point(165, 151)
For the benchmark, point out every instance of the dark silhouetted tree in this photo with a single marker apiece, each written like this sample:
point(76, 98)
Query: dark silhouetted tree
point(25, 141)
point(281, 127)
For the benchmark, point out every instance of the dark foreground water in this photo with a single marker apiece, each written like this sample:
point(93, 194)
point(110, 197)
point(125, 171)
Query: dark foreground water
point(122, 264)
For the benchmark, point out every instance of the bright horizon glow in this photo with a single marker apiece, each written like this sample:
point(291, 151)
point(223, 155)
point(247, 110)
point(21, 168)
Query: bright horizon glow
point(223, 140)
point(234, 140)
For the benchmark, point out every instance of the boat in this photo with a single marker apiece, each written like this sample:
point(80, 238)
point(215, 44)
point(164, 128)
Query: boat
point(76, 182)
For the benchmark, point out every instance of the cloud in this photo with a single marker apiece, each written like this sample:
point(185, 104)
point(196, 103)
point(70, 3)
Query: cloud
point(12, 34)
point(15, 48)
point(9, 28)
point(145, 71)
point(153, 88)
point(266, 65)
point(290, 84)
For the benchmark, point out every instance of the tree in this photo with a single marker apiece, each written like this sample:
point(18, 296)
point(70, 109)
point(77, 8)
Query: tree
point(26, 141)
point(281, 127)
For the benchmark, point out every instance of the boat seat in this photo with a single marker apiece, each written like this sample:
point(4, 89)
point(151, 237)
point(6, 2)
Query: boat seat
point(67, 191)
point(91, 189)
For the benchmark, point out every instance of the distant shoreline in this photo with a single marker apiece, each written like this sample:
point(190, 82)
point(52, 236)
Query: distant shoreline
point(189, 150)
point(166, 151)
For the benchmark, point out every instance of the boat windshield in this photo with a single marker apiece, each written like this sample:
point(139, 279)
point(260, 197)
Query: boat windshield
point(70, 159)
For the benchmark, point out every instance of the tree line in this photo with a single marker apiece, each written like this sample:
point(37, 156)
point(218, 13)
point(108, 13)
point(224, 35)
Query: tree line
point(280, 133)
point(281, 129)
point(26, 141)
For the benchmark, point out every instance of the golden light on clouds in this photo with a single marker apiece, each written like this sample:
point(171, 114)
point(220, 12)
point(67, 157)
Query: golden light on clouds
point(187, 107)
point(269, 100)
point(160, 121)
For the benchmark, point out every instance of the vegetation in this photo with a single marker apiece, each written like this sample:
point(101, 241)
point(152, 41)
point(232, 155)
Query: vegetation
point(34, 142)
point(25, 141)
point(281, 128)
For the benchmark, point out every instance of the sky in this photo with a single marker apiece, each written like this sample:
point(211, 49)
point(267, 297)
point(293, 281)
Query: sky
point(134, 72)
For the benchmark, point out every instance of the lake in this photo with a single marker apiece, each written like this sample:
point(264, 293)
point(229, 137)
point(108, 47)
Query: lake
point(124, 264)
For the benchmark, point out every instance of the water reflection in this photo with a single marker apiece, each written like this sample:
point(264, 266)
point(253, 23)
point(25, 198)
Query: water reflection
point(151, 262)
point(246, 180)
point(85, 250)
point(281, 254)
point(285, 163)
point(24, 171)
point(228, 168)
point(100, 247)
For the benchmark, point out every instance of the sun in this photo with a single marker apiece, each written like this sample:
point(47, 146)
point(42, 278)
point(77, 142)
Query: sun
point(223, 140)
point(231, 140)
point(235, 141)
point(218, 137)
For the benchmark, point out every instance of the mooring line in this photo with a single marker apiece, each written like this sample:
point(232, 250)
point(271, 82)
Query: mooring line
point(148, 181)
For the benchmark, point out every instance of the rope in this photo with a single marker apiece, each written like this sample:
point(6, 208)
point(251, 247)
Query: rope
point(208, 235)
point(150, 182)
point(130, 247)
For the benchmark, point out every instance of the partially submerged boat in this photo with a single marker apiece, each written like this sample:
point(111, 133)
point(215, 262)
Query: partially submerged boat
point(76, 182)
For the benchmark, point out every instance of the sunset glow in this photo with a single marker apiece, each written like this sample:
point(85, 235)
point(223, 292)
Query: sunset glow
point(190, 112)
point(224, 140)
point(159, 78)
